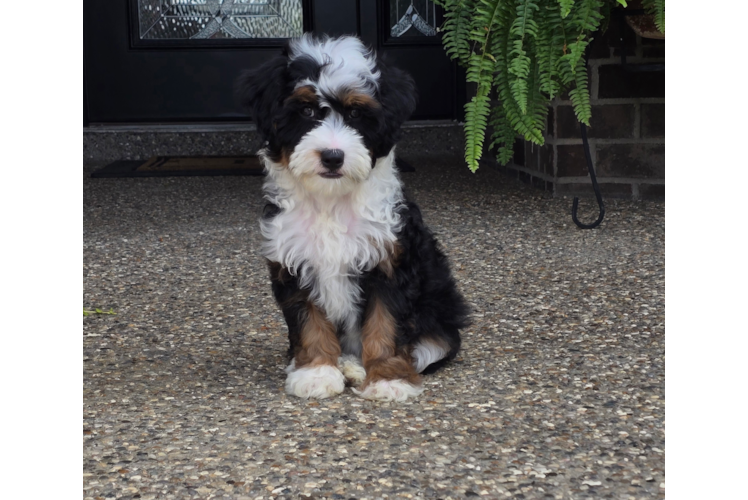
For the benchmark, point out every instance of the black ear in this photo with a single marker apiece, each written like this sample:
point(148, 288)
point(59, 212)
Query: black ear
point(397, 93)
point(398, 96)
point(260, 92)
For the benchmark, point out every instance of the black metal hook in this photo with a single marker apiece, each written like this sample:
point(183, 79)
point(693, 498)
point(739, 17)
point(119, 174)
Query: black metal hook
point(599, 196)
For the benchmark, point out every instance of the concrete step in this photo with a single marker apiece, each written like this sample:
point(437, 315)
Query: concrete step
point(106, 142)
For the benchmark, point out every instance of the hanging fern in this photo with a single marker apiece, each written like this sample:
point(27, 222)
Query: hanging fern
point(528, 51)
point(456, 28)
point(657, 9)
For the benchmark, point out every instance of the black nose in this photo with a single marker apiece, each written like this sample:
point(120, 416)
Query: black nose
point(332, 158)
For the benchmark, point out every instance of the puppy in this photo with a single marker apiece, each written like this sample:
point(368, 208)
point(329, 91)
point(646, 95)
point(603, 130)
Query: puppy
point(366, 292)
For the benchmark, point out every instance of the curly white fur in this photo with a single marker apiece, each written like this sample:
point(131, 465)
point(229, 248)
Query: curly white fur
point(352, 369)
point(318, 382)
point(427, 351)
point(390, 390)
point(346, 62)
point(327, 239)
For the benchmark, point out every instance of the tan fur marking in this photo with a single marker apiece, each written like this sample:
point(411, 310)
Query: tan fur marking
point(382, 360)
point(319, 343)
point(303, 94)
point(390, 263)
point(285, 158)
point(352, 99)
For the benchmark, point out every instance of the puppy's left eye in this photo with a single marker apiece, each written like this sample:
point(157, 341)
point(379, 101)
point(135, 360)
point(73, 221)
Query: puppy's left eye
point(354, 113)
point(308, 111)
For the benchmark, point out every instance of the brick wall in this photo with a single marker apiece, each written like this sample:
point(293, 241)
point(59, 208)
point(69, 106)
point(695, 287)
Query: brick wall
point(627, 132)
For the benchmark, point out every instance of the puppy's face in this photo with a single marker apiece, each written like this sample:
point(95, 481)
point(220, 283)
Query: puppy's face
point(328, 109)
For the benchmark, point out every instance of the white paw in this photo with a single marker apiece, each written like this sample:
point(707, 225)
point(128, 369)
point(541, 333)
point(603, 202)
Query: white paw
point(292, 366)
point(352, 369)
point(390, 390)
point(318, 382)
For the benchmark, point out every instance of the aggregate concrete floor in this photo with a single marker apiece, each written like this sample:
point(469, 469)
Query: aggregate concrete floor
point(558, 391)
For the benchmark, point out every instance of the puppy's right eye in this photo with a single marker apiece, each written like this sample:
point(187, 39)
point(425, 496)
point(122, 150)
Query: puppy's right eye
point(307, 111)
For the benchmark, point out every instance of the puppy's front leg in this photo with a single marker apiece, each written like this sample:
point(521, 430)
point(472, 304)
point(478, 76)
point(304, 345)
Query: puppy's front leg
point(314, 373)
point(390, 375)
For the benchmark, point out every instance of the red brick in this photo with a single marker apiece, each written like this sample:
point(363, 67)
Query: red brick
point(519, 152)
point(546, 159)
point(653, 52)
point(652, 192)
point(631, 160)
point(615, 82)
point(653, 120)
point(531, 155)
point(611, 121)
point(571, 161)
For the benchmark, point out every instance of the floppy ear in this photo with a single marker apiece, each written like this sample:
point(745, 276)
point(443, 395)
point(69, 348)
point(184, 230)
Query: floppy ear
point(398, 96)
point(260, 91)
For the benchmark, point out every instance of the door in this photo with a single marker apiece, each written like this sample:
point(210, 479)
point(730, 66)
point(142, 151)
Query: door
point(405, 32)
point(176, 60)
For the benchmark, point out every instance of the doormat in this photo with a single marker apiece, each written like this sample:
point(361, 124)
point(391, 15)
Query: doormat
point(172, 166)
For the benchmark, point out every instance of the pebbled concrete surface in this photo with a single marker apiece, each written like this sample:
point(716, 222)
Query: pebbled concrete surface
point(558, 392)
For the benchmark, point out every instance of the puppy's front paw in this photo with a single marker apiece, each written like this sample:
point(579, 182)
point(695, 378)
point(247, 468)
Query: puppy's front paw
point(317, 382)
point(352, 369)
point(390, 390)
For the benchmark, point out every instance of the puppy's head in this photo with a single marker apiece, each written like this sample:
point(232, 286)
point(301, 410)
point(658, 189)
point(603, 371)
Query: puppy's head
point(328, 109)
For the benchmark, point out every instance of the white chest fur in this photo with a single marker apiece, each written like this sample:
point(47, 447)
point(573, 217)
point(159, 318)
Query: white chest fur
point(327, 241)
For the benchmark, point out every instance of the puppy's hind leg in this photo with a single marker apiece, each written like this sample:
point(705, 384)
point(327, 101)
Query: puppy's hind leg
point(390, 374)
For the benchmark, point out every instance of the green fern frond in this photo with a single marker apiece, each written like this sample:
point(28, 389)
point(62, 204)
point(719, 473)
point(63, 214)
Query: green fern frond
point(586, 16)
point(576, 54)
point(548, 48)
point(528, 51)
point(519, 67)
point(502, 136)
point(476, 112)
point(524, 24)
point(580, 96)
point(657, 9)
point(480, 71)
point(537, 103)
point(522, 29)
point(520, 120)
point(566, 6)
point(456, 28)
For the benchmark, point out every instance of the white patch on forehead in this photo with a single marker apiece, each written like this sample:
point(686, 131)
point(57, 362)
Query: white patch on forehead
point(346, 63)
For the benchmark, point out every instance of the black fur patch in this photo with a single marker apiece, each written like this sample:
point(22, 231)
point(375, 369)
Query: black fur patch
point(421, 295)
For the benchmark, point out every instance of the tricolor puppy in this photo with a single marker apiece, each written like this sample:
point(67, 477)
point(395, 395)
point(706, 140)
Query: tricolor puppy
point(365, 290)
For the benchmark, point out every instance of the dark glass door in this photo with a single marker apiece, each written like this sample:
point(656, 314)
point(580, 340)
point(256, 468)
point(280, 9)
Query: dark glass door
point(406, 34)
point(176, 60)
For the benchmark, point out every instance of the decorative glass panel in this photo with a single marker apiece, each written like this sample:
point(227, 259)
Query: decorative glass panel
point(219, 19)
point(412, 18)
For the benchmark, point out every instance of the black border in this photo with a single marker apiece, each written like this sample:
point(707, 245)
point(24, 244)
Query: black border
point(388, 40)
point(188, 43)
point(85, 89)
